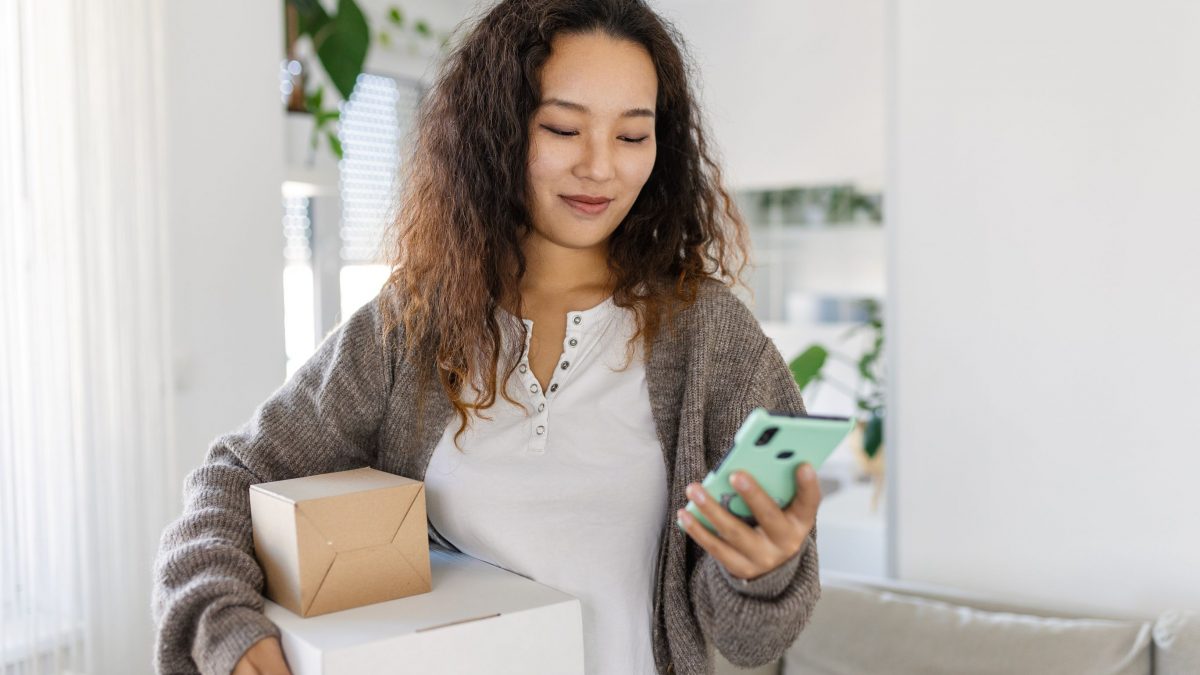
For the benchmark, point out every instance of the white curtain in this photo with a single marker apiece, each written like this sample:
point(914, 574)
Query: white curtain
point(85, 456)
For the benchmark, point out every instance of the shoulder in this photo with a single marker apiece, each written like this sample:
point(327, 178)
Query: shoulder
point(719, 314)
point(718, 323)
point(737, 349)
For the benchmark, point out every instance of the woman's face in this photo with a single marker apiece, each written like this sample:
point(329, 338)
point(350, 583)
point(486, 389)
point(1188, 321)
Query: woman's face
point(591, 139)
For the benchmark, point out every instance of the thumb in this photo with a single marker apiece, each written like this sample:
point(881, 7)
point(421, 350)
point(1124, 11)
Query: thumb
point(808, 495)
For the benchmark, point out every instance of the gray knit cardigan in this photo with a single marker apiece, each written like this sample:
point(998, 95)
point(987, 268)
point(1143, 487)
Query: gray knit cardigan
point(352, 404)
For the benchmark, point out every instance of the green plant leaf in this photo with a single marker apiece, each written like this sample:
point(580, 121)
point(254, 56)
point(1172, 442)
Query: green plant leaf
point(334, 143)
point(396, 16)
point(342, 46)
point(807, 366)
point(422, 28)
point(313, 101)
point(384, 39)
point(864, 366)
point(873, 436)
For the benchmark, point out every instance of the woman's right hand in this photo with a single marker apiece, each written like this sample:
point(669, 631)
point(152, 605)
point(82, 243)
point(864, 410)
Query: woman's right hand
point(264, 657)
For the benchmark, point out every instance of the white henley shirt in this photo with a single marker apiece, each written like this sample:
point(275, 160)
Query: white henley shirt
point(570, 491)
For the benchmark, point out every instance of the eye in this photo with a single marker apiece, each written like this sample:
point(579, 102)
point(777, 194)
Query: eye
point(559, 132)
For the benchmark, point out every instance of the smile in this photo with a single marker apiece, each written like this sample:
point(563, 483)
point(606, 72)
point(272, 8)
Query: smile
point(587, 208)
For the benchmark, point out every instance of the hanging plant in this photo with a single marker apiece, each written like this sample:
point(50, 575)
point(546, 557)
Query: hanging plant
point(341, 42)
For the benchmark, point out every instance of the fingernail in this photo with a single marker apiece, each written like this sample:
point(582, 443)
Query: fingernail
point(740, 481)
point(806, 470)
point(698, 495)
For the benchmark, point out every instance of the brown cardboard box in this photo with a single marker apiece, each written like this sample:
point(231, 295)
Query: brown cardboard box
point(340, 540)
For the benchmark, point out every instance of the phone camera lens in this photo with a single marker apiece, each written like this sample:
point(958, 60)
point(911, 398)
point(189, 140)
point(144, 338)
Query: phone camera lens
point(786, 454)
point(767, 435)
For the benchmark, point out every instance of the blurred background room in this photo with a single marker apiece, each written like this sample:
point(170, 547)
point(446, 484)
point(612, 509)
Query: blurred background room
point(193, 195)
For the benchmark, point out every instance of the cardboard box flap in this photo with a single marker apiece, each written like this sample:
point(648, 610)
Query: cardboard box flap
point(342, 552)
point(381, 514)
point(333, 484)
point(365, 575)
point(318, 556)
point(415, 526)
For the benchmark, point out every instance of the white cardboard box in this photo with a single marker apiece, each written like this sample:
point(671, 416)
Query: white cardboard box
point(478, 618)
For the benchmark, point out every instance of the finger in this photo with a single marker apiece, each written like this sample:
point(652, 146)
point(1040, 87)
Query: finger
point(778, 527)
point(808, 496)
point(735, 562)
point(272, 661)
point(730, 528)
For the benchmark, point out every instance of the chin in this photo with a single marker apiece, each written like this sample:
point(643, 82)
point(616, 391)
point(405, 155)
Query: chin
point(577, 240)
point(571, 233)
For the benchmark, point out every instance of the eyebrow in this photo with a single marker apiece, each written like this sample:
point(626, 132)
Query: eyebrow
point(578, 107)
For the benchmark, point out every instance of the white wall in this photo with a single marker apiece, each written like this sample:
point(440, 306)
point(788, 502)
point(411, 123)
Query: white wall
point(1046, 229)
point(406, 56)
point(792, 89)
point(224, 126)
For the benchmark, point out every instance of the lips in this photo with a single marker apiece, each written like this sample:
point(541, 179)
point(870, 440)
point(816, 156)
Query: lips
point(587, 204)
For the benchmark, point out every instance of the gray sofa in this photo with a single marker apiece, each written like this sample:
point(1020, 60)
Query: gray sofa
point(866, 626)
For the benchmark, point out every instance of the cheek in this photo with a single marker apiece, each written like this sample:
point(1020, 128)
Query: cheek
point(545, 166)
point(640, 167)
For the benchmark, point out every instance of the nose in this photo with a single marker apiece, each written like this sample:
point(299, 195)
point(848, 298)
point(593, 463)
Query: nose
point(596, 161)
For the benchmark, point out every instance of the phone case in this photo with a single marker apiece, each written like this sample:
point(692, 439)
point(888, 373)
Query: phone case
point(772, 457)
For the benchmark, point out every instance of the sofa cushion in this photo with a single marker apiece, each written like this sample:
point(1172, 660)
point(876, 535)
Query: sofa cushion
point(861, 630)
point(1177, 643)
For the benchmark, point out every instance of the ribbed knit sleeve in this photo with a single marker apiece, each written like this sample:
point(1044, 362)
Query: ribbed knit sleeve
point(207, 584)
point(753, 622)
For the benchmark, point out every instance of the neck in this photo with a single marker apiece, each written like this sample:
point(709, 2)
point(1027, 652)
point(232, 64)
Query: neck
point(558, 272)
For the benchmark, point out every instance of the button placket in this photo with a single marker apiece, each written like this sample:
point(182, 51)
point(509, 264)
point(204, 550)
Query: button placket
point(574, 348)
point(575, 323)
point(539, 428)
point(538, 424)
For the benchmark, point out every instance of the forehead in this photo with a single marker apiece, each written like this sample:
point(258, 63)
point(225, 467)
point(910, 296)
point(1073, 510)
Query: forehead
point(604, 74)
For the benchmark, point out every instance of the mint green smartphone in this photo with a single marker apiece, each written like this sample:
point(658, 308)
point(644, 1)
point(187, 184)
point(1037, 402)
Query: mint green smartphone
point(771, 447)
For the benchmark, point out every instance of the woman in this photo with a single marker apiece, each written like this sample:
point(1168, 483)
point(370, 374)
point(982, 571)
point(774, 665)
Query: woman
point(556, 354)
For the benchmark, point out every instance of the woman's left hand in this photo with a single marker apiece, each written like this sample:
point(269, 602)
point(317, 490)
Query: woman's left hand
point(748, 552)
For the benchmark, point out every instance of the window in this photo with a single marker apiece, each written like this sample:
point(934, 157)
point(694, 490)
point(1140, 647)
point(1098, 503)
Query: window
point(374, 123)
point(328, 276)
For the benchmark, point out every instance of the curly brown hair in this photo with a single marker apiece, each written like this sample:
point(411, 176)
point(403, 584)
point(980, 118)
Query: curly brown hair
point(454, 246)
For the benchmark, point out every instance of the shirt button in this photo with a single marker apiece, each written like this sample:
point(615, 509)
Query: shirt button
point(554, 387)
point(578, 320)
point(565, 364)
point(523, 368)
point(574, 342)
point(533, 388)
point(541, 430)
point(541, 407)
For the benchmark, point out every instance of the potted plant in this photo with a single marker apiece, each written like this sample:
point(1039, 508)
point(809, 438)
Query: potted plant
point(867, 439)
point(340, 43)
